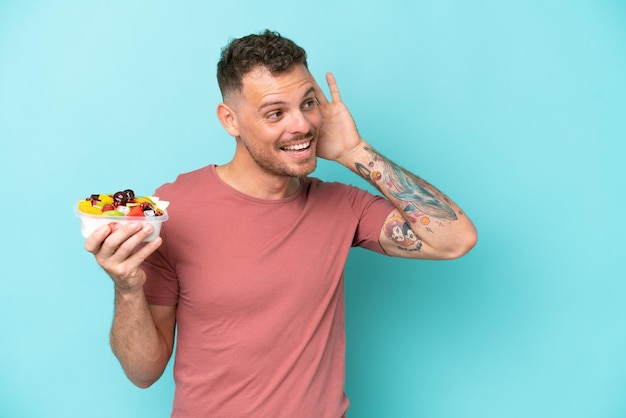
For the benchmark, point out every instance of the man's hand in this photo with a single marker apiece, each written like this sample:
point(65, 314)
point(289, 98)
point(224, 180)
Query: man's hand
point(338, 136)
point(120, 252)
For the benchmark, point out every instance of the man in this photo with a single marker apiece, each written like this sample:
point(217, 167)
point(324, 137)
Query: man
point(248, 270)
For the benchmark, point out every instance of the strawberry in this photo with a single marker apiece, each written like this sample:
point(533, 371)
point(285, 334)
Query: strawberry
point(136, 211)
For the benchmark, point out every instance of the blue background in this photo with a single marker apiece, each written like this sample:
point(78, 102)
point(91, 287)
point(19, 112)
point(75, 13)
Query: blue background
point(513, 108)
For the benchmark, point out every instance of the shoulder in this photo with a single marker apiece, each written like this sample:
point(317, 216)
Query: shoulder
point(314, 184)
point(334, 187)
point(354, 196)
point(186, 183)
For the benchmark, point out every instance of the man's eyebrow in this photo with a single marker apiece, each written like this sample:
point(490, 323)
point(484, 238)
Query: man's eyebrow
point(274, 103)
point(309, 91)
point(282, 102)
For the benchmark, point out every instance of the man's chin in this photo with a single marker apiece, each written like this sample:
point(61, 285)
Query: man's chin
point(305, 169)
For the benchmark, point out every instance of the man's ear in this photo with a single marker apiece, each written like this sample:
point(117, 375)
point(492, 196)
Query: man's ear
point(228, 119)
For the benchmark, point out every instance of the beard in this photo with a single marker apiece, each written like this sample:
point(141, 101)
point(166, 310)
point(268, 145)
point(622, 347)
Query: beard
point(270, 161)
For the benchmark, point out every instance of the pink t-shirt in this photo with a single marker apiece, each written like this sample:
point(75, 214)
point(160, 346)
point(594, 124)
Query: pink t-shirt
point(259, 289)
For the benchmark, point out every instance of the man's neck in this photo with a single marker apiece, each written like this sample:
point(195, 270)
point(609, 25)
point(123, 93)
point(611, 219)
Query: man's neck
point(254, 182)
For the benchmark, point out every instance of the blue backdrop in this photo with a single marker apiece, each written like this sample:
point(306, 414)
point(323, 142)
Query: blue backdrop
point(514, 108)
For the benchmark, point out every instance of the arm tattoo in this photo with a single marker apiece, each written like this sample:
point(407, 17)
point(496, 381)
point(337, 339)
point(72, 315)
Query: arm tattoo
point(417, 198)
point(399, 231)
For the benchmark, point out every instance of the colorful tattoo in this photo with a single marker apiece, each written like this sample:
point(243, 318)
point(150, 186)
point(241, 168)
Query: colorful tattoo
point(398, 230)
point(410, 191)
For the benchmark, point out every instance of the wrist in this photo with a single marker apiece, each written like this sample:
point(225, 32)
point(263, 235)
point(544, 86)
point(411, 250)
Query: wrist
point(128, 292)
point(358, 154)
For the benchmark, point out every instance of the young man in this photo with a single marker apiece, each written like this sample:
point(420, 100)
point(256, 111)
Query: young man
point(249, 268)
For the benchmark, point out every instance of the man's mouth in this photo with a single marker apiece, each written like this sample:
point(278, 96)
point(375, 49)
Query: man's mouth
point(296, 147)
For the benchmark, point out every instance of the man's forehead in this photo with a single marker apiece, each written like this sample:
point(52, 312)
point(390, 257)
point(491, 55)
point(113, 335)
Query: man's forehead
point(260, 84)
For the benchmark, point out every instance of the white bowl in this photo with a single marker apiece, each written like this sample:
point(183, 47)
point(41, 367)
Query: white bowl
point(89, 223)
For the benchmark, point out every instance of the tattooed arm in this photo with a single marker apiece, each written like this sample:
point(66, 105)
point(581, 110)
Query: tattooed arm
point(425, 223)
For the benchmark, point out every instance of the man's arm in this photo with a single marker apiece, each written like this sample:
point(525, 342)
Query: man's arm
point(142, 335)
point(425, 223)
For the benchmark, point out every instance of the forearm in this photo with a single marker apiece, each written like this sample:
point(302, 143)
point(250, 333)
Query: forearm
point(440, 225)
point(136, 341)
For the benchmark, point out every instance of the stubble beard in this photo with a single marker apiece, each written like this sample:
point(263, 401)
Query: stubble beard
point(270, 163)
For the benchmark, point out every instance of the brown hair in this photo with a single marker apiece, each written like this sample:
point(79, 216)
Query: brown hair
point(268, 50)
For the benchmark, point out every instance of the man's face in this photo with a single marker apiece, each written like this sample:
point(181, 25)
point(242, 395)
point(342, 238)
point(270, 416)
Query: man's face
point(278, 120)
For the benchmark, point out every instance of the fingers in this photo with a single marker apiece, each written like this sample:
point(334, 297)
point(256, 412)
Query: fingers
point(121, 244)
point(334, 89)
point(332, 86)
point(319, 94)
point(95, 240)
point(125, 236)
point(120, 248)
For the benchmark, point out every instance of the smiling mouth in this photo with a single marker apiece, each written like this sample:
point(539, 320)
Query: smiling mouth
point(296, 147)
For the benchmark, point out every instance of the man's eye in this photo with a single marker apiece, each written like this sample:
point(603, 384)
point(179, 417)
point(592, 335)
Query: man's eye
point(274, 115)
point(309, 104)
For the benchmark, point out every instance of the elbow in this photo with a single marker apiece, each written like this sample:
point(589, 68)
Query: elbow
point(143, 383)
point(142, 375)
point(140, 369)
point(462, 245)
point(465, 244)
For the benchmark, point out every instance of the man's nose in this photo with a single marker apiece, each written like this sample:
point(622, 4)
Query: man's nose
point(298, 123)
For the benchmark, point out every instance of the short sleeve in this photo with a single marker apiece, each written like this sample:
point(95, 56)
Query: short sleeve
point(161, 287)
point(371, 211)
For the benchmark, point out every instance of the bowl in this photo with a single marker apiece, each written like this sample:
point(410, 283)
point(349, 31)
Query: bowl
point(89, 222)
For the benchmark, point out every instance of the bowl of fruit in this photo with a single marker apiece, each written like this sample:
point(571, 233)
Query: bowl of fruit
point(120, 208)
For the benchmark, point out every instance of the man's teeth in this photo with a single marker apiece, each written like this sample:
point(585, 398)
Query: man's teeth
point(296, 147)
